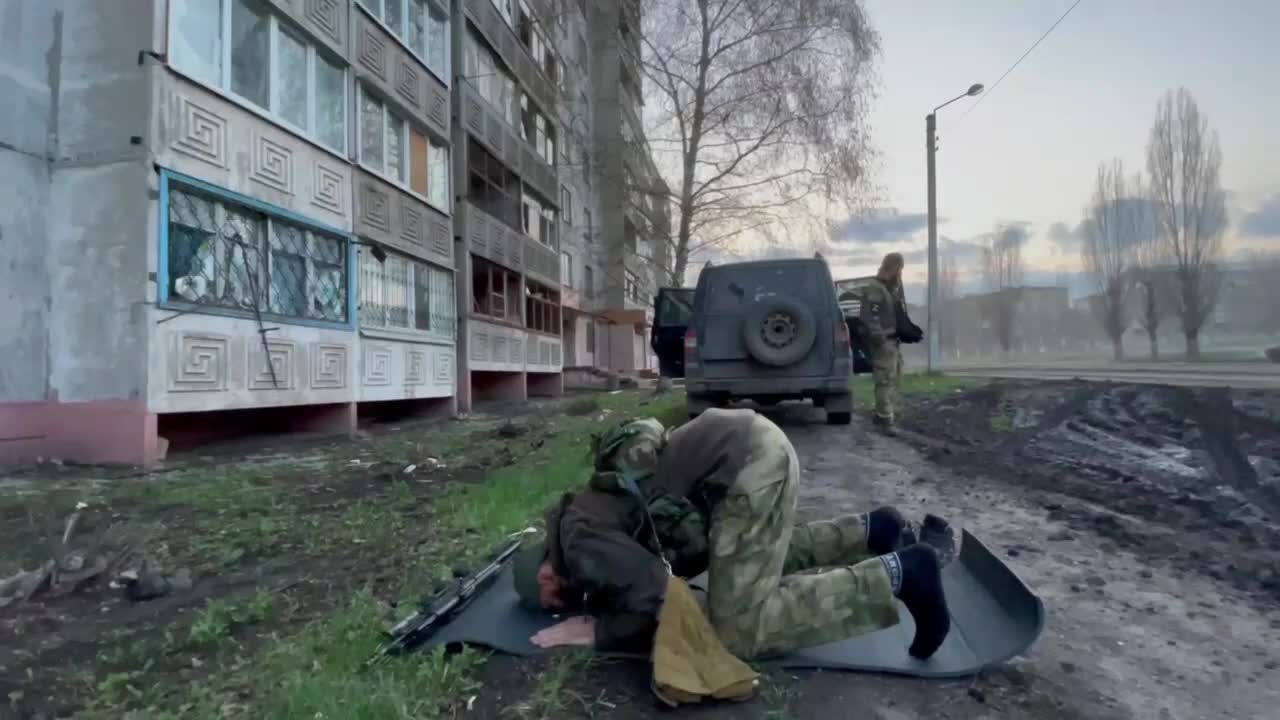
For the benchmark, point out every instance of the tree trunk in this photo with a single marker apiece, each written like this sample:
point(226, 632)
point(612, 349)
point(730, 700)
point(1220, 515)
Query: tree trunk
point(1154, 340)
point(1117, 347)
point(1193, 345)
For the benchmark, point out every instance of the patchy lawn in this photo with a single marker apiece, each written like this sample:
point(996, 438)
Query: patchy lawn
point(300, 555)
point(916, 384)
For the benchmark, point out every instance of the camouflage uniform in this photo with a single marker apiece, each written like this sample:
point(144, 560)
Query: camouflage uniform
point(757, 604)
point(879, 315)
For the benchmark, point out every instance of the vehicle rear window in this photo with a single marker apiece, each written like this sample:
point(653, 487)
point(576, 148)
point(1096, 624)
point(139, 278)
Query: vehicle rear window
point(729, 288)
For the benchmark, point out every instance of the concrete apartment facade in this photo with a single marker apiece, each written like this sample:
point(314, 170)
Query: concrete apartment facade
point(308, 207)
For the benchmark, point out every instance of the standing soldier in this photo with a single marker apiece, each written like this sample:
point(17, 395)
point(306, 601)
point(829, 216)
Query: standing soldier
point(882, 301)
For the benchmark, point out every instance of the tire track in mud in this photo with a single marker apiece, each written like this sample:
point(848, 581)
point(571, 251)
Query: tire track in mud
point(1156, 470)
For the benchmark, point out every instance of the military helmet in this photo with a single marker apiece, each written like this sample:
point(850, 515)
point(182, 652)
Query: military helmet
point(630, 447)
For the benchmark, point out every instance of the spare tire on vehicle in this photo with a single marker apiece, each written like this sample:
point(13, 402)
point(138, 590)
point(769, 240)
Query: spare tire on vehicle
point(779, 330)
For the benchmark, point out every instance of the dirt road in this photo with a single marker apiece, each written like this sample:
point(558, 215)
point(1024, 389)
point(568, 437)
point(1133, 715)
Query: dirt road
point(1146, 517)
point(1237, 374)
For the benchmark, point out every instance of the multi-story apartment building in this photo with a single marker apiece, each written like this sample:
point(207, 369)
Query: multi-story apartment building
point(310, 206)
point(225, 205)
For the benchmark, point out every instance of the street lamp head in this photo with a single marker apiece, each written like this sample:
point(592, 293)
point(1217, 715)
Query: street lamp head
point(975, 89)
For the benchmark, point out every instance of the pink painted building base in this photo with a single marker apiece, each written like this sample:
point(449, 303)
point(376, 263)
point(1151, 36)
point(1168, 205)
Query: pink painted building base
point(105, 431)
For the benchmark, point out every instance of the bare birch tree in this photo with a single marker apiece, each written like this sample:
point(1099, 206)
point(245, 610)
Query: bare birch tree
point(761, 106)
point(1152, 278)
point(1184, 160)
point(1002, 272)
point(1113, 226)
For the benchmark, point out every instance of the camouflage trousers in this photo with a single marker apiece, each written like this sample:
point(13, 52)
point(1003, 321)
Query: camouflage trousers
point(757, 603)
point(886, 370)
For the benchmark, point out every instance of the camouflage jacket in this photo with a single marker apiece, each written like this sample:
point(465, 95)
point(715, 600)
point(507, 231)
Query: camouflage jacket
point(879, 311)
point(599, 538)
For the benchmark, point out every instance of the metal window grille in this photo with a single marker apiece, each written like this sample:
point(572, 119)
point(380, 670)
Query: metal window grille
point(404, 294)
point(228, 256)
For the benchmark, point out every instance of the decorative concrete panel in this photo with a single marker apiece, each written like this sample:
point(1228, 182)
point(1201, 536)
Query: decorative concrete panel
point(491, 347)
point(387, 214)
point(201, 134)
point(544, 354)
point(381, 61)
point(211, 362)
point(323, 20)
point(489, 127)
point(403, 370)
point(495, 241)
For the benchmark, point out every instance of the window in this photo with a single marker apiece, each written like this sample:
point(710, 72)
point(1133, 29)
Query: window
point(491, 186)
point(538, 219)
point(226, 255)
point(632, 285)
point(541, 308)
point(537, 129)
point(507, 9)
point(405, 294)
point(423, 26)
point(591, 335)
point(566, 204)
point(481, 66)
point(402, 154)
point(566, 270)
point(495, 291)
point(589, 235)
point(535, 41)
point(588, 281)
point(240, 47)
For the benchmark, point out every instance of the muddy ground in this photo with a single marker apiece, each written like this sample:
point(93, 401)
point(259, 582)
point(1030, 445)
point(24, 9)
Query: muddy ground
point(1146, 517)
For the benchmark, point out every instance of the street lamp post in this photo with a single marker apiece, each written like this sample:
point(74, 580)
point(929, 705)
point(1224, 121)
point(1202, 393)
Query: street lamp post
point(931, 149)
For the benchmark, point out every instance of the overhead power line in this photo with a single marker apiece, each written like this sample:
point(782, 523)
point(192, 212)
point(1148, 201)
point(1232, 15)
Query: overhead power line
point(1012, 67)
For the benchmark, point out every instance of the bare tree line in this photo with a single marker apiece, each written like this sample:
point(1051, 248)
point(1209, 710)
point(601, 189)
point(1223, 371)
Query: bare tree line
point(1162, 236)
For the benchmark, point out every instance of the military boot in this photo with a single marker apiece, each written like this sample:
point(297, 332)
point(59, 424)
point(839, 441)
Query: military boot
point(884, 425)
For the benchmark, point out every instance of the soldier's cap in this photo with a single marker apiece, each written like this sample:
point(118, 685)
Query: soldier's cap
point(524, 572)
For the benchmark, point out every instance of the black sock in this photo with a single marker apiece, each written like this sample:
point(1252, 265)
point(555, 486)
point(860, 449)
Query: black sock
point(937, 534)
point(888, 530)
point(920, 589)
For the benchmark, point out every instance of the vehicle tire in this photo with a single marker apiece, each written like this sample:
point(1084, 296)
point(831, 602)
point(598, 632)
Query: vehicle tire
point(839, 418)
point(779, 331)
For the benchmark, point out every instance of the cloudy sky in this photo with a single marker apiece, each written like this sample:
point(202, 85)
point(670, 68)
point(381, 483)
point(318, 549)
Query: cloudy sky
point(1027, 155)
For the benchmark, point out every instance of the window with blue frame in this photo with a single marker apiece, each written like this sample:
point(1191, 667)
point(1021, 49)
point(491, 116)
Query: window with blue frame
point(235, 257)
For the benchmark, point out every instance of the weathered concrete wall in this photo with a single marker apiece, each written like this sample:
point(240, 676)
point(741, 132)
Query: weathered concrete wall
point(100, 200)
point(26, 47)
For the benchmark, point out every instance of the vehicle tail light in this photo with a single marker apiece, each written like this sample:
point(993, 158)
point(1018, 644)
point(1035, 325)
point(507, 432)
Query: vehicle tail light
point(842, 335)
point(691, 341)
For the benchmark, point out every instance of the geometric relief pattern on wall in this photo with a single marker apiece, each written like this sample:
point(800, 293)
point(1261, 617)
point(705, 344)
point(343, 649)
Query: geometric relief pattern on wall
point(531, 351)
point(373, 51)
point(374, 208)
point(555, 354)
point(544, 352)
point(444, 368)
point(328, 366)
point(327, 189)
point(499, 349)
point(281, 362)
point(324, 15)
point(202, 133)
point(517, 352)
point(199, 363)
point(479, 345)
point(407, 84)
point(411, 222)
point(438, 107)
point(441, 239)
point(376, 365)
point(415, 366)
point(475, 114)
point(272, 164)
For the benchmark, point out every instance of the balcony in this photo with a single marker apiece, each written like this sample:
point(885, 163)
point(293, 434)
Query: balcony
point(489, 238)
point(502, 37)
point(488, 126)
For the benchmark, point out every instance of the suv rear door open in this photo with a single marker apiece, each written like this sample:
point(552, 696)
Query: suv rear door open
point(672, 313)
point(849, 295)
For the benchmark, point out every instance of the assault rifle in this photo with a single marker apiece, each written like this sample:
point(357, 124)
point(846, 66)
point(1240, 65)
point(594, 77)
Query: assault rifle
point(441, 606)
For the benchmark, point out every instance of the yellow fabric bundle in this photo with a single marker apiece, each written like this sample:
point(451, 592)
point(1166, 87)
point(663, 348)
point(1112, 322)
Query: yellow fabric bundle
point(689, 661)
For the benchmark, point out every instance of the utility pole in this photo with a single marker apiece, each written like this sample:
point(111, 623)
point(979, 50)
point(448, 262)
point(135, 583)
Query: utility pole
point(931, 150)
point(932, 317)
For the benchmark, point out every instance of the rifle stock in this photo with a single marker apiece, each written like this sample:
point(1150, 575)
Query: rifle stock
point(438, 609)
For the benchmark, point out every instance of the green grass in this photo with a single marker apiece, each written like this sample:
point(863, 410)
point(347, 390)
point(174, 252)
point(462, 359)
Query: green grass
point(555, 695)
point(914, 384)
point(315, 671)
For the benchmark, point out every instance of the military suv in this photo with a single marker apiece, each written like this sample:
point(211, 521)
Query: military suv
point(765, 331)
